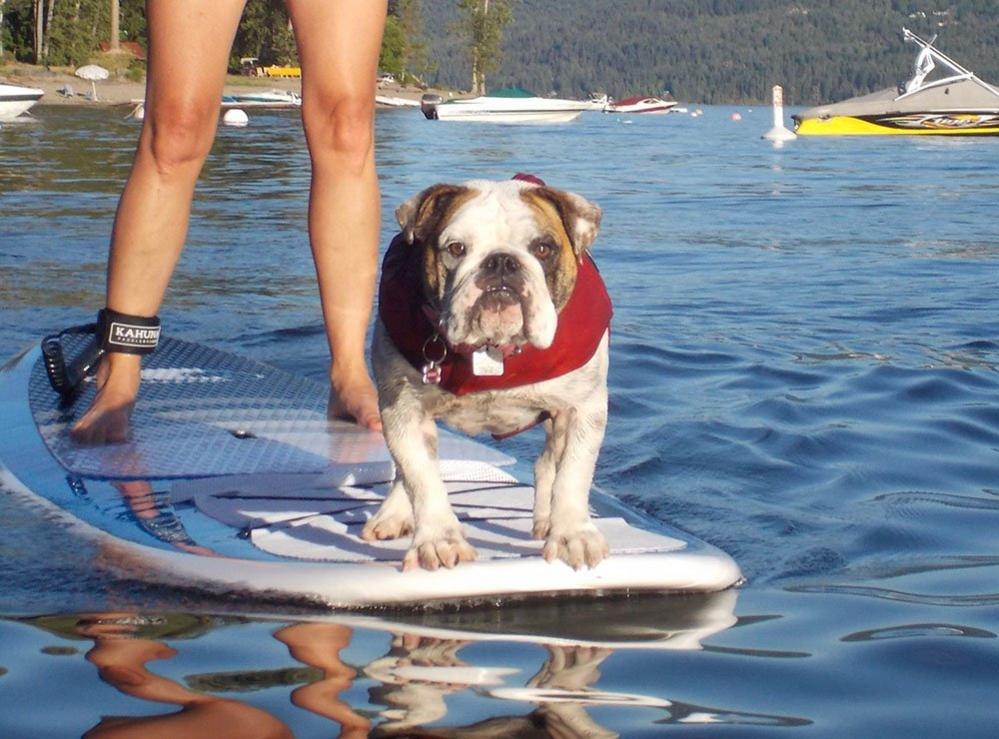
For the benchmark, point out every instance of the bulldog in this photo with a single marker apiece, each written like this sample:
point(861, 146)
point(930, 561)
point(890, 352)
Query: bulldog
point(492, 317)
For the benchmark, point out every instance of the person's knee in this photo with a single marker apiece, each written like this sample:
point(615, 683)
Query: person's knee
point(180, 135)
point(341, 127)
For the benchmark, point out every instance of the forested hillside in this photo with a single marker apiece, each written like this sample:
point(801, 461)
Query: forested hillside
point(718, 50)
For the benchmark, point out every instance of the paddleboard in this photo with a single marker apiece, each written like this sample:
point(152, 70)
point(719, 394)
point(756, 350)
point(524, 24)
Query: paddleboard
point(235, 481)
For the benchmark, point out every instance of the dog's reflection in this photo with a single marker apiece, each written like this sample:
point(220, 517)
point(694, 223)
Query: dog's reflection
point(415, 676)
point(418, 672)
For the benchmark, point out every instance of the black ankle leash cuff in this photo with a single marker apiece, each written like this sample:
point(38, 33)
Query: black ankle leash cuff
point(120, 332)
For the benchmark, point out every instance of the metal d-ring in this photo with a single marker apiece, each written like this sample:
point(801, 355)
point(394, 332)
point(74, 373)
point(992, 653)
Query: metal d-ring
point(431, 370)
point(428, 346)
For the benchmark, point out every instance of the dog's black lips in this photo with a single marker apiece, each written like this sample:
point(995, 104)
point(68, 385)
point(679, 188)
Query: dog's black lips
point(498, 296)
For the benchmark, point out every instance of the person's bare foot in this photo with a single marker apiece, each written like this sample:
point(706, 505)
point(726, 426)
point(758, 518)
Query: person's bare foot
point(106, 421)
point(353, 396)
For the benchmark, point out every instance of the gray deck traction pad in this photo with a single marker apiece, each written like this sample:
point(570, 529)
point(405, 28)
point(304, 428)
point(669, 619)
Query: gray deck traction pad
point(203, 412)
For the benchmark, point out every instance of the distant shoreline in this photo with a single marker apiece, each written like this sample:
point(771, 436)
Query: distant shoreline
point(123, 91)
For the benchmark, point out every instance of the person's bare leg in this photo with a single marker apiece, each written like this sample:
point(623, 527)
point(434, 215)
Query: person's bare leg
point(189, 43)
point(338, 45)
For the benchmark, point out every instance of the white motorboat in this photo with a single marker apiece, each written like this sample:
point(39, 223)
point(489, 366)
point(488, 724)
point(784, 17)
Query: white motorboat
point(389, 101)
point(510, 105)
point(16, 99)
point(263, 99)
point(953, 102)
point(268, 99)
point(648, 104)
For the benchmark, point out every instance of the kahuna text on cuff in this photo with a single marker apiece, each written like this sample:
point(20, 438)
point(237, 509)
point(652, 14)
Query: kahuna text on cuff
point(120, 332)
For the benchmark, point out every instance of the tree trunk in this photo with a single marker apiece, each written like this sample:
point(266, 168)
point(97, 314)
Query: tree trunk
point(1, 28)
point(115, 46)
point(48, 31)
point(39, 28)
point(481, 81)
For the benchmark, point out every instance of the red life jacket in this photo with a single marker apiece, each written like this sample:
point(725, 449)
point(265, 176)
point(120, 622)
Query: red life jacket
point(581, 325)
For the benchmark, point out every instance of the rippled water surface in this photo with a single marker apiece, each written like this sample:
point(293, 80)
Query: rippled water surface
point(804, 372)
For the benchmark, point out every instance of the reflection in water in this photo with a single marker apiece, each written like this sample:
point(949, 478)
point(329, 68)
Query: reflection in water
point(428, 681)
point(967, 601)
point(909, 631)
point(154, 513)
point(121, 659)
point(319, 646)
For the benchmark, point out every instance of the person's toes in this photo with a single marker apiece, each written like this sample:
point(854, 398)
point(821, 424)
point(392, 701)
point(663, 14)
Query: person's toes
point(358, 402)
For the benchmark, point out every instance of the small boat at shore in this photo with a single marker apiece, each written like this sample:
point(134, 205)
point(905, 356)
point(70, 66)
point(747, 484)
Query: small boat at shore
point(389, 101)
point(16, 100)
point(263, 99)
point(648, 104)
point(509, 105)
point(957, 103)
point(272, 99)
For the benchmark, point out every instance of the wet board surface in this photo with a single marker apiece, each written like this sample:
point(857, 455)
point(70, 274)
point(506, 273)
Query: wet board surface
point(235, 481)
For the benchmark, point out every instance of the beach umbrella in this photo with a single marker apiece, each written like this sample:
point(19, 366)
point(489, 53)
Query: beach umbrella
point(93, 73)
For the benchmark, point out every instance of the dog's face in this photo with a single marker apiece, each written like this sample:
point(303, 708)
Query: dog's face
point(499, 259)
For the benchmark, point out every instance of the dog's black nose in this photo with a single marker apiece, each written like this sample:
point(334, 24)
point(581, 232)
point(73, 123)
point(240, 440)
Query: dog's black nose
point(500, 265)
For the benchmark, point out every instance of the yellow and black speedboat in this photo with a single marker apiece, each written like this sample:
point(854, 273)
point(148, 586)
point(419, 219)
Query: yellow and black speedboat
point(955, 104)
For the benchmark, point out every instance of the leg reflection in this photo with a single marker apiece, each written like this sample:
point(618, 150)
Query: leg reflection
point(319, 646)
point(570, 670)
point(121, 660)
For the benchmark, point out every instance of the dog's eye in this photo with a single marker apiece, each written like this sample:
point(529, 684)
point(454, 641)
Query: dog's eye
point(456, 249)
point(542, 249)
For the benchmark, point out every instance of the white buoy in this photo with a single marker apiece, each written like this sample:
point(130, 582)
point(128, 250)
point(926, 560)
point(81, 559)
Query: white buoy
point(138, 112)
point(235, 117)
point(779, 134)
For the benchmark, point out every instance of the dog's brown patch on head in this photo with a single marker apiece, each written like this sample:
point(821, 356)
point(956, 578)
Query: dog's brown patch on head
point(560, 267)
point(422, 218)
point(580, 217)
point(569, 221)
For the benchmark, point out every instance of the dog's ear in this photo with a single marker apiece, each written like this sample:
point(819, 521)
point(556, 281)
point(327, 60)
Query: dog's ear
point(421, 214)
point(580, 217)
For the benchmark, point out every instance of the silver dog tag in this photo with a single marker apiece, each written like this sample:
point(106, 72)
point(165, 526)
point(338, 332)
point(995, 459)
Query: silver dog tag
point(487, 361)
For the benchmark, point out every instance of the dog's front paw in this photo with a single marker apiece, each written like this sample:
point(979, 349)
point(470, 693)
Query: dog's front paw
point(576, 545)
point(444, 548)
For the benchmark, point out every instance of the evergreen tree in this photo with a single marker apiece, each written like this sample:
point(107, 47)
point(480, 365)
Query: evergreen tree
point(416, 61)
point(393, 54)
point(265, 33)
point(481, 22)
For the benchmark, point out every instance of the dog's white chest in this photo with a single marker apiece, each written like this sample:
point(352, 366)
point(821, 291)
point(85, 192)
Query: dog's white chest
point(483, 412)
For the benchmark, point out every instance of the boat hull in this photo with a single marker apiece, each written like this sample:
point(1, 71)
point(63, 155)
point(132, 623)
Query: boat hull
point(983, 123)
point(510, 116)
point(643, 109)
point(15, 101)
point(503, 109)
point(272, 99)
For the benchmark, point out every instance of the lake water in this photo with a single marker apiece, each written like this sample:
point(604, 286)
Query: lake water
point(804, 373)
